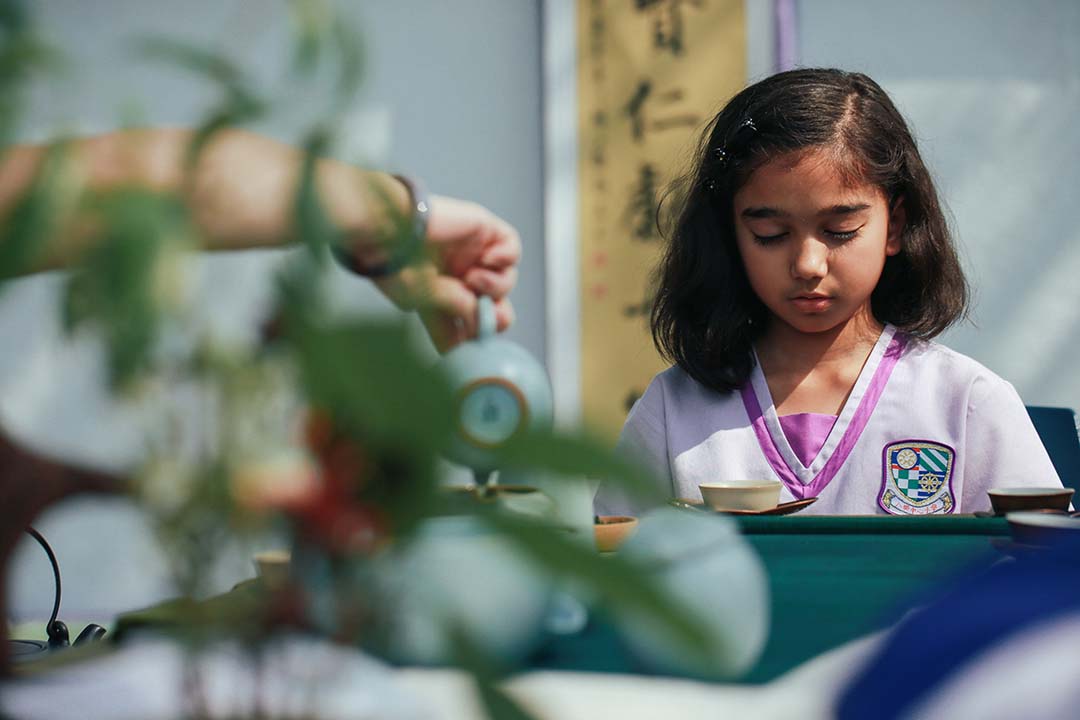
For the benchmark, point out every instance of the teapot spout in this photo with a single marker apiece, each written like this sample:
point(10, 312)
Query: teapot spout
point(482, 477)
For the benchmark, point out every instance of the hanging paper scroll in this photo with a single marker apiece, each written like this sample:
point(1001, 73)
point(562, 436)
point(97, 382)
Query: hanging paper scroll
point(651, 73)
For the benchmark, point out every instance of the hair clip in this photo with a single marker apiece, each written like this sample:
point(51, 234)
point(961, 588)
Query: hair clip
point(710, 184)
point(739, 136)
point(720, 154)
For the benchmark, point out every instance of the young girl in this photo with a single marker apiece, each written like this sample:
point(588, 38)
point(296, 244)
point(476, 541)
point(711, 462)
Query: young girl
point(809, 267)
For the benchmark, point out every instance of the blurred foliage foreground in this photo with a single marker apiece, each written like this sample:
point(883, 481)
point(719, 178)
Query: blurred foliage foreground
point(327, 431)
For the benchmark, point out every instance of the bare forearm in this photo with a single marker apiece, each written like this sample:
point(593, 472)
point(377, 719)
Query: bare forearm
point(239, 194)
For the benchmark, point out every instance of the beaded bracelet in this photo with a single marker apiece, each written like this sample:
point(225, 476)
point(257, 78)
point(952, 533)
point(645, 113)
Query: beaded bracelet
point(400, 256)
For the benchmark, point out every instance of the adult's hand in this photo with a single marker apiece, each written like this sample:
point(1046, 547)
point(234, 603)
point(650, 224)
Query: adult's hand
point(469, 252)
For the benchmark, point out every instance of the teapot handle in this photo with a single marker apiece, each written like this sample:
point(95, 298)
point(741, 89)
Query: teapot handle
point(485, 318)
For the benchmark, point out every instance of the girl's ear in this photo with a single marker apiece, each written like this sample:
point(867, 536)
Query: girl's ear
point(897, 221)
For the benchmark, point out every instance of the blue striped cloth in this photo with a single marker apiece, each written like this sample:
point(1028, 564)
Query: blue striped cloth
point(947, 638)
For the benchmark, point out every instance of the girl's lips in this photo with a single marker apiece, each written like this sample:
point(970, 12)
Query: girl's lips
point(812, 304)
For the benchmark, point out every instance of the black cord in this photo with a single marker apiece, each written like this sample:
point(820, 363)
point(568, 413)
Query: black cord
point(55, 568)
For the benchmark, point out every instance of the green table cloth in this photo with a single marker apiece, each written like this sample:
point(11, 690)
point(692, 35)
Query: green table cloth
point(831, 578)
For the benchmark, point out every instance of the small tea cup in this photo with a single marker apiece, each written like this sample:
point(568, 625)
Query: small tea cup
point(273, 567)
point(753, 495)
point(611, 531)
point(1006, 500)
point(1038, 528)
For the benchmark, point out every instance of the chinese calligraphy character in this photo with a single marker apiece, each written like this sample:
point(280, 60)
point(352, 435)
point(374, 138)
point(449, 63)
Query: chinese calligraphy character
point(642, 309)
point(635, 111)
point(668, 25)
point(641, 209)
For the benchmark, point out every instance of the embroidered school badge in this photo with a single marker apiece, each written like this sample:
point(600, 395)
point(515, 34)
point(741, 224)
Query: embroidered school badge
point(917, 478)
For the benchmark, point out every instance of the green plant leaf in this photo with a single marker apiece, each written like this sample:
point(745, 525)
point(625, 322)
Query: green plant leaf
point(238, 613)
point(620, 584)
point(204, 63)
point(310, 19)
point(116, 286)
point(13, 17)
point(350, 51)
point(369, 374)
point(239, 103)
point(485, 673)
point(313, 226)
point(569, 456)
point(233, 112)
point(30, 223)
point(22, 56)
point(322, 36)
point(368, 377)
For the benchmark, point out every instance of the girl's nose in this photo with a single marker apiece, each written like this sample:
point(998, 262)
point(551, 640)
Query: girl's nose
point(810, 259)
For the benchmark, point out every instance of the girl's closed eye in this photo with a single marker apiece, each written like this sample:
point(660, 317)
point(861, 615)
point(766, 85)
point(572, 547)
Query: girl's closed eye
point(838, 235)
point(769, 239)
point(844, 235)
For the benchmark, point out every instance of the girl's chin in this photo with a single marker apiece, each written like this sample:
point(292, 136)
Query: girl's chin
point(816, 323)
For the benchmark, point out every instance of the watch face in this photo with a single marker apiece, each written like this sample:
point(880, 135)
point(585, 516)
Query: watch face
point(491, 411)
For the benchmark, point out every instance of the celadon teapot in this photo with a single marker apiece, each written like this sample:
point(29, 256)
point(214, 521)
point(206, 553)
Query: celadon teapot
point(501, 391)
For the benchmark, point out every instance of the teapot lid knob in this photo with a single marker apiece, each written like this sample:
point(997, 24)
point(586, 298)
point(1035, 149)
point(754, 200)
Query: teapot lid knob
point(485, 323)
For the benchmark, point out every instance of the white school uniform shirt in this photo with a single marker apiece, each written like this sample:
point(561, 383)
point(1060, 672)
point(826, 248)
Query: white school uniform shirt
point(925, 430)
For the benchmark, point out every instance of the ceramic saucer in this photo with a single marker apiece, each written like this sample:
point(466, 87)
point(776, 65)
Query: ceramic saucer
point(782, 509)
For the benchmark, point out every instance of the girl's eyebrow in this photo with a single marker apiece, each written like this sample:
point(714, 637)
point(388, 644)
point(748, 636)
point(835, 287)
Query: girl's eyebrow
point(763, 213)
point(844, 209)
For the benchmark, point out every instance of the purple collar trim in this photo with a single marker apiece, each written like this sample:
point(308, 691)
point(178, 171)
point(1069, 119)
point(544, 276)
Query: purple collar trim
point(772, 454)
point(847, 442)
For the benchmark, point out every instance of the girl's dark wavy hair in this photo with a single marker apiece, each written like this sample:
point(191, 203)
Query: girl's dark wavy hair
point(705, 317)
